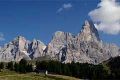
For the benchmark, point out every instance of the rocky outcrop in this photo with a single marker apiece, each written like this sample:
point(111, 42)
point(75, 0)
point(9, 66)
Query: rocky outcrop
point(59, 41)
point(88, 32)
point(21, 48)
point(85, 47)
point(36, 48)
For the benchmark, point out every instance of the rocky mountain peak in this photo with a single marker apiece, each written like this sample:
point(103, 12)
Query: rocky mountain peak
point(58, 38)
point(21, 42)
point(89, 32)
point(21, 48)
point(85, 47)
point(58, 34)
point(18, 38)
point(36, 43)
point(64, 47)
point(61, 37)
point(87, 23)
point(36, 48)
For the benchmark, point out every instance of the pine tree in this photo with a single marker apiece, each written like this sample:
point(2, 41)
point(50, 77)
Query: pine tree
point(10, 66)
point(16, 67)
point(22, 66)
point(29, 68)
point(1, 66)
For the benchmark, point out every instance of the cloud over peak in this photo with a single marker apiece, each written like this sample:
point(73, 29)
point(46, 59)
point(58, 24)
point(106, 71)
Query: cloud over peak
point(107, 16)
point(64, 7)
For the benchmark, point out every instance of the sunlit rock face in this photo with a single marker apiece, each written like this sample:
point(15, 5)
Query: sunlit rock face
point(88, 32)
point(59, 41)
point(21, 48)
point(36, 48)
point(86, 47)
point(13, 50)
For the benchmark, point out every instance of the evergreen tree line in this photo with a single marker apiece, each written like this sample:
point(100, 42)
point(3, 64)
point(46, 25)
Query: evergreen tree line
point(79, 70)
point(21, 67)
point(110, 70)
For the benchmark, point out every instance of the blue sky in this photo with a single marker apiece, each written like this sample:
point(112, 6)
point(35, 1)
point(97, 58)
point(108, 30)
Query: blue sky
point(40, 19)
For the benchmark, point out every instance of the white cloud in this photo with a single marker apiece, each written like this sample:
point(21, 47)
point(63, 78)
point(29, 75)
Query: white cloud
point(107, 16)
point(2, 37)
point(64, 7)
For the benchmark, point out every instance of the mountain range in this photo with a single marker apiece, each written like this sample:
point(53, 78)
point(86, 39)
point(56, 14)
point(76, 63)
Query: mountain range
point(85, 47)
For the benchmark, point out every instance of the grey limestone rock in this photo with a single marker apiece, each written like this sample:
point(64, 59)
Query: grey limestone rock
point(86, 47)
point(21, 48)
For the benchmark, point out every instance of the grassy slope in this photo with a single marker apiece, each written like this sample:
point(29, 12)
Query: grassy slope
point(9, 75)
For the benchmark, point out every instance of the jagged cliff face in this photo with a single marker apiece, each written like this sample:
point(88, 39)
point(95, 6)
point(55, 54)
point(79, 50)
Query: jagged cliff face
point(88, 32)
point(20, 48)
point(85, 47)
point(59, 41)
point(36, 49)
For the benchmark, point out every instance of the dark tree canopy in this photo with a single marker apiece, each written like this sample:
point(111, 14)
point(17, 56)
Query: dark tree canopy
point(107, 70)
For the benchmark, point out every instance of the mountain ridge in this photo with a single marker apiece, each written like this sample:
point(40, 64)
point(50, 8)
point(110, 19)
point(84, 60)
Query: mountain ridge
point(65, 47)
